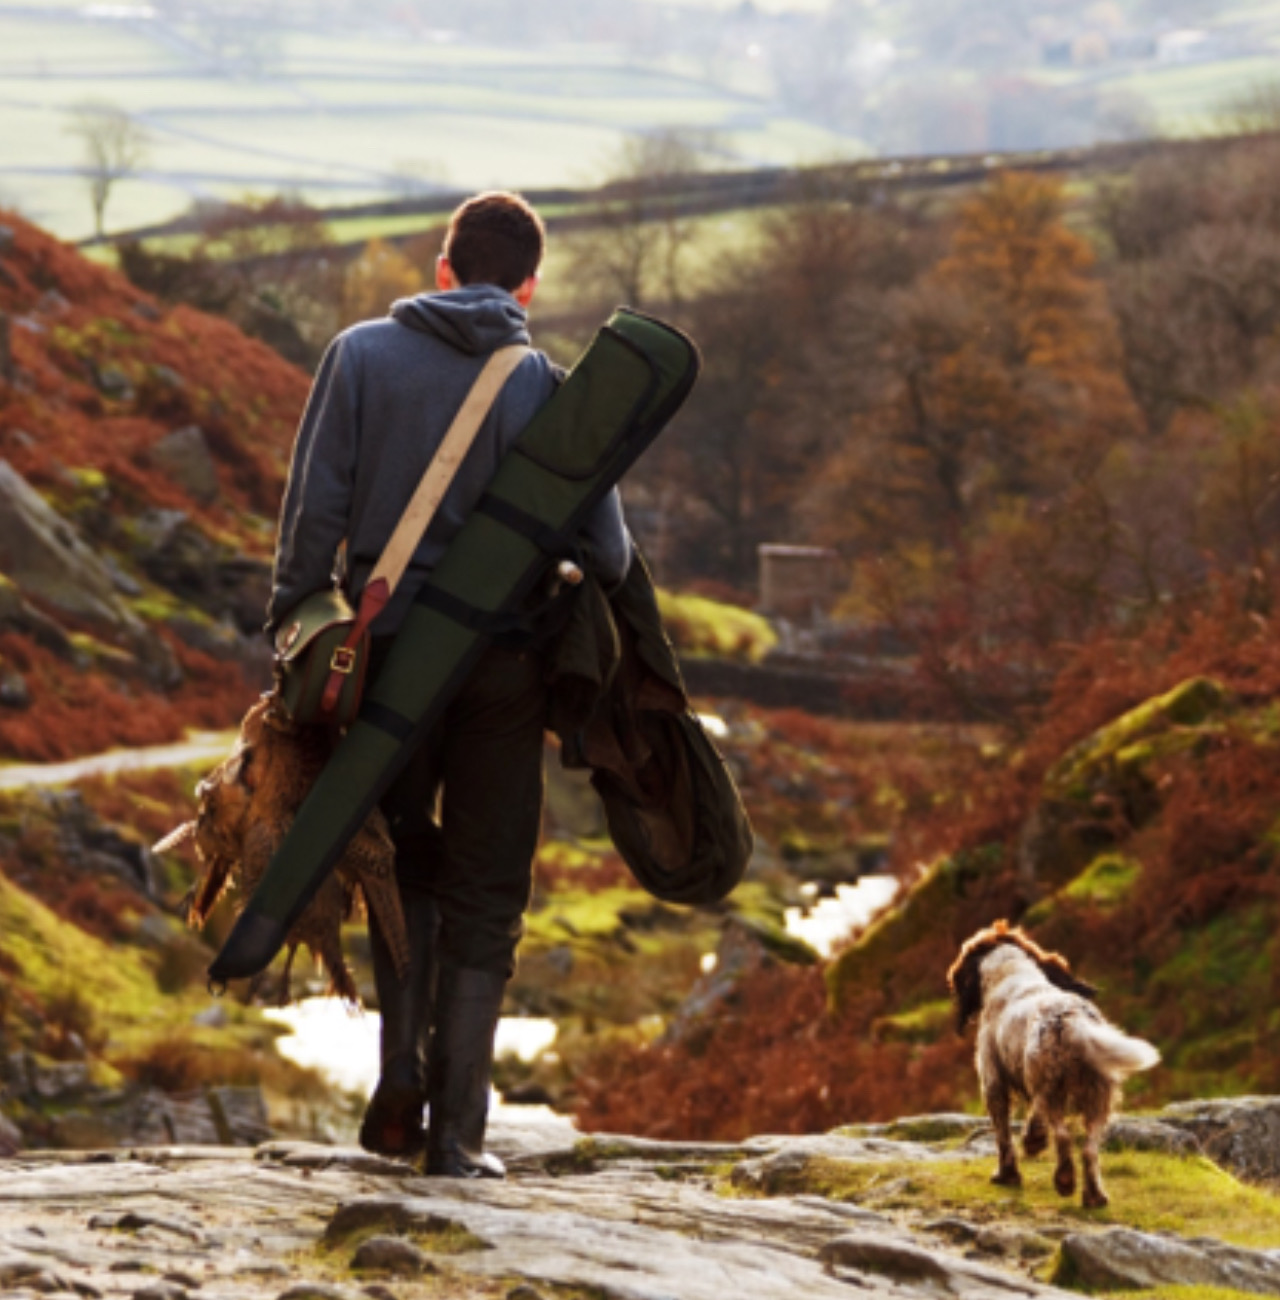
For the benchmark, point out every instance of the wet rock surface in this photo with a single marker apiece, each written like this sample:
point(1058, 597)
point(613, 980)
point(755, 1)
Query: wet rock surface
point(605, 1216)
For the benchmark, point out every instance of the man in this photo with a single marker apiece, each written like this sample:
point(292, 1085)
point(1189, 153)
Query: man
point(465, 812)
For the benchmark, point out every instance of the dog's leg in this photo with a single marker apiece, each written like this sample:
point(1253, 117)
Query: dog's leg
point(1064, 1176)
point(998, 1103)
point(1036, 1136)
point(1095, 1197)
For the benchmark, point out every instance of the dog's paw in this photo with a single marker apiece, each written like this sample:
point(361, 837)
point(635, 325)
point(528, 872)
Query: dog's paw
point(1034, 1141)
point(1064, 1180)
point(1007, 1178)
point(1095, 1199)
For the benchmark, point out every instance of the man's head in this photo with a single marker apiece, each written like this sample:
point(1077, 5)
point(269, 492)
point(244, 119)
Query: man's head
point(494, 238)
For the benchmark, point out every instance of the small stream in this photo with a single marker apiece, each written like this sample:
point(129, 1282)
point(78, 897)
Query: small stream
point(342, 1044)
point(830, 921)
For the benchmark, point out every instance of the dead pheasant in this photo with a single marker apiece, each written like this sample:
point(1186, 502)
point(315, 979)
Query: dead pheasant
point(245, 807)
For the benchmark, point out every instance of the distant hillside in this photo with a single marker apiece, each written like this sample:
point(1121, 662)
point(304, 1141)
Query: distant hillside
point(142, 455)
point(343, 103)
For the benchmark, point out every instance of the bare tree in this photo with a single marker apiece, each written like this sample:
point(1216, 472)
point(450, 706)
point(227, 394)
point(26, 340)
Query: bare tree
point(115, 145)
point(636, 251)
point(1253, 110)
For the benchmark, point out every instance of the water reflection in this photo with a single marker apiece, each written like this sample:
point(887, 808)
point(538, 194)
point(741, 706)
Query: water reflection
point(343, 1044)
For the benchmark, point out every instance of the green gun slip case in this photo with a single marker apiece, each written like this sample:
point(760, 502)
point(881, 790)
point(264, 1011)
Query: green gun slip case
point(616, 400)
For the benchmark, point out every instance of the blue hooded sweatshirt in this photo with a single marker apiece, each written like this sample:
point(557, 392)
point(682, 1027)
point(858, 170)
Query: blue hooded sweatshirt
point(382, 401)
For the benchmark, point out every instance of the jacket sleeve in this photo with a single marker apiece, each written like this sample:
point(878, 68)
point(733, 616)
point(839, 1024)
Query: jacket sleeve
point(609, 540)
point(317, 498)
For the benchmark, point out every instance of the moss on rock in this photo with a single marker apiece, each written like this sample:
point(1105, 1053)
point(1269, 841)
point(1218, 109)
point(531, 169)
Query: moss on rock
point(1192, 703)
point(1150, 1192)
point(923, 1024)
point(874, 961)
point(701, 626)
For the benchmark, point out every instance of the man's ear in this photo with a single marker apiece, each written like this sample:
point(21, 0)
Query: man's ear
point(524, 293)
point(445, 278)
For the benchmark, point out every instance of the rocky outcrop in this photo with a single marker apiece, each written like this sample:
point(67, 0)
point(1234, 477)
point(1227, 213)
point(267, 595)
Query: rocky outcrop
point(185, 456)
point(83, 842)
point(612, 1217)
point(46, 557)
point(174, 552)
point(19, 615)
point(1101, 789)
point(1120, 1259)
point(47, 565)
point(641, 1223)
point(1239, 1133)
point(77, 1115)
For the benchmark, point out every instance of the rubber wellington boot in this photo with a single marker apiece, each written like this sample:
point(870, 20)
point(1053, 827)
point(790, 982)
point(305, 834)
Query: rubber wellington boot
point(392, 1124)
point(468, 1004)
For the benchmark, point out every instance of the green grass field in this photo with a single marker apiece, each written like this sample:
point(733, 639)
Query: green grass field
point(341, 119)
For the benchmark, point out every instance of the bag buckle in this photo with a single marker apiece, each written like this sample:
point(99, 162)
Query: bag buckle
point(343, 661)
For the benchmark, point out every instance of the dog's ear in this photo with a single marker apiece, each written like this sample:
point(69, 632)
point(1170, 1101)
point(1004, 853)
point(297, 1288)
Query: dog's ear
point(1053, 966)
point(965, 981)
point(1058, 973)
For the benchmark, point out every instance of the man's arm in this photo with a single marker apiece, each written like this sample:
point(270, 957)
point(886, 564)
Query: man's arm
point(317, 498)
point(609, 540)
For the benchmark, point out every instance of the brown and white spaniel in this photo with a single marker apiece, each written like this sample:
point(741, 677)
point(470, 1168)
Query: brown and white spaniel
point(1041, 1038)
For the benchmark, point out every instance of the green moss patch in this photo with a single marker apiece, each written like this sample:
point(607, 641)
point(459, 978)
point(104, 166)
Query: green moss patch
point(1150, 1192)
point(1190, 704)
point(580, 913)
point(708, 627)
point(1190, 1293)
point(1105, 882)
point(923, 1024)
point(53, 955)
point(354, 1224)
point(111, 994)
point(451, 1240)
point(875, 960)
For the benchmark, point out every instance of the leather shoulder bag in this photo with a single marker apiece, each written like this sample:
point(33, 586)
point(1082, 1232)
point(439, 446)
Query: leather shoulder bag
point(322, 644)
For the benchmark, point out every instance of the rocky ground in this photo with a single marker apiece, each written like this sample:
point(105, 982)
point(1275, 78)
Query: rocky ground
point(614, 1218)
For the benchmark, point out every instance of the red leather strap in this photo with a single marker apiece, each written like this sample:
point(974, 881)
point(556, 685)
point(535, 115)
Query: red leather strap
point(373, 601)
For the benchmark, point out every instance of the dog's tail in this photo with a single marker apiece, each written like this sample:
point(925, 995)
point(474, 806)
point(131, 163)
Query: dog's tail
point(1116, 1054)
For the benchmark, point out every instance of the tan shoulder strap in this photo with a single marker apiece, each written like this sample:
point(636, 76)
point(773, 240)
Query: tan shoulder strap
point(444, 465)
point(419, 513)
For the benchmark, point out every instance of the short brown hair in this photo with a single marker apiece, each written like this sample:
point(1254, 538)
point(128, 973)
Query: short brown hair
point(495, 238)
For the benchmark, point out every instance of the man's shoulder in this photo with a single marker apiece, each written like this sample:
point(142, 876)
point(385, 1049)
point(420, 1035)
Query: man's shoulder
point(537, 376)
point(367, 332)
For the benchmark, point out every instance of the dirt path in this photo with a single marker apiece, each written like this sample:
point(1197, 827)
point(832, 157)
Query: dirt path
point(199, 747)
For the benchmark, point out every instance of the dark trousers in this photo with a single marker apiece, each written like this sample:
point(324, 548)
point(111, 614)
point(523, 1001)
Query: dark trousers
point(466, 811)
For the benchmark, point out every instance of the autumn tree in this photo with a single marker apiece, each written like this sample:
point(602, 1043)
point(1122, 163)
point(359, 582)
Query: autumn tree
point(636, 248)
point(381, 274)
point(1196, 281)
point(114, 147)
point(785, 324)
point(999, 376)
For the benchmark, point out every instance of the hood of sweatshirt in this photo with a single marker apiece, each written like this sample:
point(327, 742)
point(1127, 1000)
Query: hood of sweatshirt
point(476, 319)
